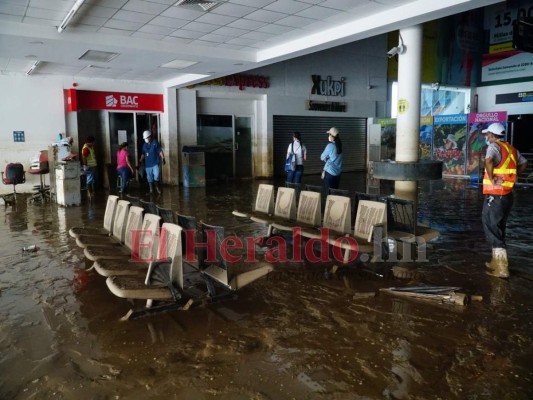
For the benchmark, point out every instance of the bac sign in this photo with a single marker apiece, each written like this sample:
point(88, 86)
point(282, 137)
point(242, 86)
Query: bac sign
point(92, 100)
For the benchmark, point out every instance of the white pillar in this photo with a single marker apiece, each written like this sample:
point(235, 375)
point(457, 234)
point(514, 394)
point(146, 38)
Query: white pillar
point(408, 121)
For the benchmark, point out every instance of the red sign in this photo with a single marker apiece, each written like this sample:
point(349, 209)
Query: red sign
point(92, 100)
point(240, 80)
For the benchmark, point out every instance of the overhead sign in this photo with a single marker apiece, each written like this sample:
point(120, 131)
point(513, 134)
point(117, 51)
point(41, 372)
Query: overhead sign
point(336, 106)
point(519, 97)
point(328, 86)
point(94, 100)
point(240, 80)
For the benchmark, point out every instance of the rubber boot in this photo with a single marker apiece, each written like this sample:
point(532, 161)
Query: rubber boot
point(499, 265)
point(492, 264)
point(157, 188)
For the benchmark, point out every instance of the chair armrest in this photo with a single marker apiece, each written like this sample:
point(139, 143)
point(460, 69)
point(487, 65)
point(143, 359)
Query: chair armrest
point(155, 268)
point(382, 225)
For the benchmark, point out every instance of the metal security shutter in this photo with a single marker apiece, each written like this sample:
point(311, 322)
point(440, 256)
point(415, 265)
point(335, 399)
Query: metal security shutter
point(313, 131)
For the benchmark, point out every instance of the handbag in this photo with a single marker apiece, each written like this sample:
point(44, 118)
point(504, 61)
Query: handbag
point(290, 162)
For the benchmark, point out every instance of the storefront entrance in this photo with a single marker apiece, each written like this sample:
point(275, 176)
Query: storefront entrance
point(228, 145)
point(129, 127)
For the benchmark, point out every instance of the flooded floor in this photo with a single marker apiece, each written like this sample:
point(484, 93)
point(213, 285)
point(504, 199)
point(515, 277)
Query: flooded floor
point(298, 334)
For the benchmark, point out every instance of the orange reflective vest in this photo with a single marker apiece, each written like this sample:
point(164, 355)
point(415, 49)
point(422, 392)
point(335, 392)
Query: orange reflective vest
point(506, 170)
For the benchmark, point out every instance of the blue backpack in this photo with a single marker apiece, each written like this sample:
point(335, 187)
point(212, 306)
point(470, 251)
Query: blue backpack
point(290, 163)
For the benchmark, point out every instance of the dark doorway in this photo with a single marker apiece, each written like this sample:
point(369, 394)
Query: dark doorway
point(520, 132)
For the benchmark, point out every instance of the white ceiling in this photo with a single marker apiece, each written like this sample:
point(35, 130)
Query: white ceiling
point(233, 36)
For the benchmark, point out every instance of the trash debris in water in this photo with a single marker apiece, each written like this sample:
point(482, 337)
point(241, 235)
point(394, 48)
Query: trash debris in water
point(30, 249)
point(439, 294)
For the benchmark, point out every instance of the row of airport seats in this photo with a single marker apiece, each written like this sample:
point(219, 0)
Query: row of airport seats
point(376, 219)
point(401, 213)
point(141, 250)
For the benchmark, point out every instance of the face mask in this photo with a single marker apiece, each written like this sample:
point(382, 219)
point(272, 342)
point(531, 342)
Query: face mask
point(147, 140)
point(487, 141)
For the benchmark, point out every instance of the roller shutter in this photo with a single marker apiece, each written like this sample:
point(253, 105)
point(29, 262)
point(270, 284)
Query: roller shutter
point(313, 130)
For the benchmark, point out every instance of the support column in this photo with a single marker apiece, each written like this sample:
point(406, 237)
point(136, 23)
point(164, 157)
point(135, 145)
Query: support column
point(408, 122)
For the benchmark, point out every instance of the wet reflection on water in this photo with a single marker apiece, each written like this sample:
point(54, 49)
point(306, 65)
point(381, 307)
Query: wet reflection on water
point(300, 333)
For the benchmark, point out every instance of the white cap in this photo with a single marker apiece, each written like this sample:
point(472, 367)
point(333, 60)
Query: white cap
point(333, 131)
point(147, 134)
point(496, 128)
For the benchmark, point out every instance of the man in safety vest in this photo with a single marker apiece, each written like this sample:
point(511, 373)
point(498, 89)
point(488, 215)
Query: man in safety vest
point(89, 164)
point(502, 165)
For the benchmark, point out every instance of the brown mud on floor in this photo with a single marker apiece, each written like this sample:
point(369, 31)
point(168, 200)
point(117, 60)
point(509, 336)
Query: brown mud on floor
point(299, 334)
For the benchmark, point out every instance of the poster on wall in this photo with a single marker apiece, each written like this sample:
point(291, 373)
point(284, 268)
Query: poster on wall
point(476, 146)
point(388, 138)
point(449, 137)
point(426, 137)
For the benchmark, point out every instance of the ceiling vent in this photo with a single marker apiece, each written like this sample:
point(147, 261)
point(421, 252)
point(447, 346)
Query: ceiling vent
point(98, 56)
point(197, 4)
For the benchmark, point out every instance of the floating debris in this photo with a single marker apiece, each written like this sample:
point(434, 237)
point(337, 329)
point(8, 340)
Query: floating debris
point(30, 249)
point(438, 294)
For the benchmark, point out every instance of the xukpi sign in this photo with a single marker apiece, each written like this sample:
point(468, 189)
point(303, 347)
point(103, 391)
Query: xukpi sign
point(328, 86)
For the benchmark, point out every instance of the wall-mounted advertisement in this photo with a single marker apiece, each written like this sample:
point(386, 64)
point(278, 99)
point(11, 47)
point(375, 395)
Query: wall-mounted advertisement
point(502, 61)
point(426, 137)
point(449, 140)
point(388, 138)
point(476, 146)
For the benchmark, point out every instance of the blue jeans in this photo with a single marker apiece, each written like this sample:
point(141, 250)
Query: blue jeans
point(125, 176)
point(296, 175)
point(91, 176)
point(331, 182)
point(152, 174)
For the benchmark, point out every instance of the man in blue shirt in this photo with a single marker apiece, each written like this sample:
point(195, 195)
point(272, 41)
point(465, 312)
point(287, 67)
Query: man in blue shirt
point(152, 154)
point(332, 156)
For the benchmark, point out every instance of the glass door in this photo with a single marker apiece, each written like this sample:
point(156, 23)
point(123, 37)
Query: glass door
point(215, 132)
point(228, 145)
point(243, 147)
point(121, 129)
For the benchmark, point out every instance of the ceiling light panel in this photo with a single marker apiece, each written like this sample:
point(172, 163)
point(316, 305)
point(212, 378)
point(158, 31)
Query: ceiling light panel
point(98, 56)
point(179, 64)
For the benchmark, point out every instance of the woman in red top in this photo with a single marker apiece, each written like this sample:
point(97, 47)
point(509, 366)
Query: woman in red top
point(123, 166)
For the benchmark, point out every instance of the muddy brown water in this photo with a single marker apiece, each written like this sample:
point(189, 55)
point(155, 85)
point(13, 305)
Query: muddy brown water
point(298, 334)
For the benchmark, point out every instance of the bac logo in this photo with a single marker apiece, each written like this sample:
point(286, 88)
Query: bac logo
point(110, 101)
point(129, 101)
point(123, 101)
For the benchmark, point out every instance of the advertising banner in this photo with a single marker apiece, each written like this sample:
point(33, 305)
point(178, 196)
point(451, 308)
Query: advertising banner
point(476, 146)
point(388, 138)
point(502, 61)
point(94, 100)
point(426, 137)
point(449, 137)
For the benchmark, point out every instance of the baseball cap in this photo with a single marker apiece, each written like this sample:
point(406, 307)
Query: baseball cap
point(333, 131)
point(496, 128)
